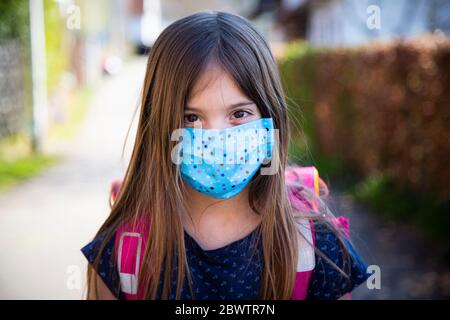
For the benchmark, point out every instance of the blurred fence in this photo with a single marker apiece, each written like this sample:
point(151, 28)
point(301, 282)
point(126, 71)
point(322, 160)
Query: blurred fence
point(12, 106)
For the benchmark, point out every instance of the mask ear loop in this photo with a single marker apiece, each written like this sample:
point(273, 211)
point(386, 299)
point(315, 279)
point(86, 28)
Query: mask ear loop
point(271, 153)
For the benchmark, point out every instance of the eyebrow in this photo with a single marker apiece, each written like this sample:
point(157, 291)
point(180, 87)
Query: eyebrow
point(231, 106)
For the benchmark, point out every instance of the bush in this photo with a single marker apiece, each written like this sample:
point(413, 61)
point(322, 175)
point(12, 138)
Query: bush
point(382, 108)
point(377, 111)
point(14, 19)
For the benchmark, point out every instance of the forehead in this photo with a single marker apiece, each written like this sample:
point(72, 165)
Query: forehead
point(215, 86)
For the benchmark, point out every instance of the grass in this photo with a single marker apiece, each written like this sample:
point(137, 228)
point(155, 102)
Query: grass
point(19, 163)
point(421, 208)
point(21, 169)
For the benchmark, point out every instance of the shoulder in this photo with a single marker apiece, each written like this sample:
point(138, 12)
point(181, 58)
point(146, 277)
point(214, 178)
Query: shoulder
point(327, 282)
point(106, 268)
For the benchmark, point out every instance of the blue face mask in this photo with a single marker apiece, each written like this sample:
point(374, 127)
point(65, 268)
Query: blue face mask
point(221, 163)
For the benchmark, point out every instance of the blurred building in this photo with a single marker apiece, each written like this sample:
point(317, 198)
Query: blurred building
point(144, 23)
point(147, 18)
point(350, 22)
point(102, 34)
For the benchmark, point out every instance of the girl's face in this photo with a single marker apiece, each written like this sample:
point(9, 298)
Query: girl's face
point(216, 102)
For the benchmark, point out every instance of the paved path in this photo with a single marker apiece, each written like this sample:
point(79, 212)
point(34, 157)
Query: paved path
point(45, 221)
point(411, 265)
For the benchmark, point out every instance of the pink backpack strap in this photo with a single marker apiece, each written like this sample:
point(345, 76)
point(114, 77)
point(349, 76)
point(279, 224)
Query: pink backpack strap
point(308, 177)
point(131, 240)
point(130, 243)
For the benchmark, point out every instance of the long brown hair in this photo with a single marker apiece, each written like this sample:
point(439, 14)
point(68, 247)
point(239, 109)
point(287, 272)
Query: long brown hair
point(152, 188)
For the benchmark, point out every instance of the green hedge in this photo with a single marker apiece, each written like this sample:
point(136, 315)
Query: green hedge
point(14, 19)
point(379, 115)
point(56, 43)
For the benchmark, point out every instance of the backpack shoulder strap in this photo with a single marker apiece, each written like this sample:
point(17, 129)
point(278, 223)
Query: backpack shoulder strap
point(130, 244)
point(305, 177)
point(131, 241)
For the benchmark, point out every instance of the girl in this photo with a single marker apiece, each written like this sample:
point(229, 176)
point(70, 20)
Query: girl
point(220, 230)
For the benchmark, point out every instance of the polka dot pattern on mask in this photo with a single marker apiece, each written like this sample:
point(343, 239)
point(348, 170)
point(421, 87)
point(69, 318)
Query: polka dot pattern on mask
point(220, 163)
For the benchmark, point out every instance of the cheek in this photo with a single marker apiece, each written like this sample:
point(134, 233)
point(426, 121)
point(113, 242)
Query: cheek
point(257, 114)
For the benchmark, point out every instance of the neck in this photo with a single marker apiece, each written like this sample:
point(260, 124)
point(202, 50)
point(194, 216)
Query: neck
point(207, 212)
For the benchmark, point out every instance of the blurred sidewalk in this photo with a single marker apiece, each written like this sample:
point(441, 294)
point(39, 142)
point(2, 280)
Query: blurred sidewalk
point(45, 221)
point(412, 265)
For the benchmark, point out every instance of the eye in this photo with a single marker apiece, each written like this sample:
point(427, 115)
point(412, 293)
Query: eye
point(240, 114)
point(190, 118)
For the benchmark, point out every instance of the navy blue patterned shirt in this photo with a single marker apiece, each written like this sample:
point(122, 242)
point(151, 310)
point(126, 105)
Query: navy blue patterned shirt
point(327, 283)
point(234, 271)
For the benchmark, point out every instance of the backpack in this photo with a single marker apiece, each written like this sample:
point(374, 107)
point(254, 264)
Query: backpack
point(131, 239)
